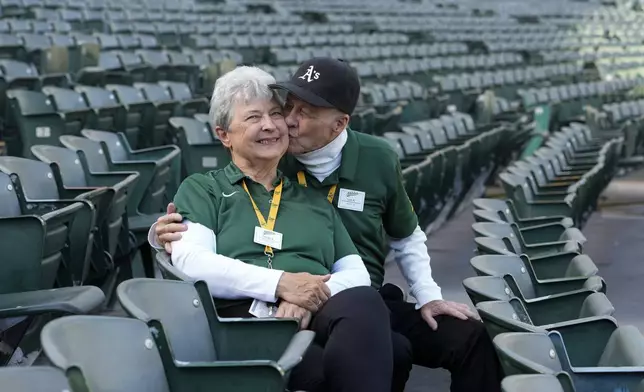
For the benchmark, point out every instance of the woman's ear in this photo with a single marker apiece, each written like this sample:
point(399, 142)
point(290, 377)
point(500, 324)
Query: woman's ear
point(223, 136)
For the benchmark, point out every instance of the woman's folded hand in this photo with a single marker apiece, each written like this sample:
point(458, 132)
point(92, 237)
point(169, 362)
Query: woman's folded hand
point(289, 310)
point(304, 290)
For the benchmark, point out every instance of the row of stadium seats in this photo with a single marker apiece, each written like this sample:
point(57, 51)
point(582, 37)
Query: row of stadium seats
point(537, 293)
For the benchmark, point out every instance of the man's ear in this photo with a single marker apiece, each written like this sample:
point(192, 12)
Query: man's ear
point(223, 136)
point(341, 122)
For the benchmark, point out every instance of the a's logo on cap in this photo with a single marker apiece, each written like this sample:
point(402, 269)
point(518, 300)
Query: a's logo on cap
point(310, 75)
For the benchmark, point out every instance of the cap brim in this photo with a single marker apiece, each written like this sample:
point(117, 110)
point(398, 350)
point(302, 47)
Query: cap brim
point(302, 94)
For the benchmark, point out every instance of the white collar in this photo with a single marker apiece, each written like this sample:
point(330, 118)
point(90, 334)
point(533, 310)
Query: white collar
point(325, 160)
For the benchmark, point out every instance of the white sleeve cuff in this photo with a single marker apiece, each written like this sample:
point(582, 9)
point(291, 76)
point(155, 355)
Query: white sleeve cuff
point(348, 272)
point(414, 263)
point(152, 238)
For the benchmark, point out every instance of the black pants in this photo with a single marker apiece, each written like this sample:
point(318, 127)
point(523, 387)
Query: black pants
point(352, 350)
point(462, 347)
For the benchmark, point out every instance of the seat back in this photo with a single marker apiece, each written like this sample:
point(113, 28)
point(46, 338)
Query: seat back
point(96, 159)
point(70, 166)
point(177, 306)
point(9, 203)
point(624, 348)
point(506, 316)
point(596, 304)
point(117, 150)
point(502, 265)
point(37, 178)
point(538, 383)
point(33, 379)
point(522, 353)
point(169, 271)
point(35, 118)
point(105, 353)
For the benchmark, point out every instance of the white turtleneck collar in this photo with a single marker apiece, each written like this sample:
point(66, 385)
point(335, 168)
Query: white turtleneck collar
point(324, 161)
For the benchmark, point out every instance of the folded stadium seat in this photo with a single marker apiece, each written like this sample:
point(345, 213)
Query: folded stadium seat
point(72, 108)
point(164, 70)
point(12, 48)
point(535, 279)
point(29, 274)
point(548, 296)
point(183, 70)
point(241, 344)
point(560, 382)
point(38, 184)
point(204, 118)
point(140, 117)
point(134, 66)
point(71, 171)
point(127, 41)
point(414, 152)
point(189, 105)
point(613, 359)
point(201, 151)
point(35, 119)
point(518, 189)
point(593, 323)
point(108, 69)
point(165, 107)
point(110, 115)
point(17, 75)
point(34, 379)
point(87, 346)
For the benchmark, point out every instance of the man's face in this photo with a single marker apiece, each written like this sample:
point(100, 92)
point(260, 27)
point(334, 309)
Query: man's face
point(309, 127)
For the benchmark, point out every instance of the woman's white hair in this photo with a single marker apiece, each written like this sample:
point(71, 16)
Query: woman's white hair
point(241, 85)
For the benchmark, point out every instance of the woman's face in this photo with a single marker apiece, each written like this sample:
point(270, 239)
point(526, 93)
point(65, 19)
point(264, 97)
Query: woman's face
point(257, 131)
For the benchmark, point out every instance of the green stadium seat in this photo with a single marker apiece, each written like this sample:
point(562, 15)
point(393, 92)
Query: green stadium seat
point(551, 233)
point(110, 114)
point(101, 353)
point(256, 349)
point(613, 362)
point(38, 184)
point(189, 105)
point(562, 274)
point(72, 107)
point(559, 382)
point(35, 118)
point(140, 117)
point(34, 379)
point(71, 170)
point(201, 151)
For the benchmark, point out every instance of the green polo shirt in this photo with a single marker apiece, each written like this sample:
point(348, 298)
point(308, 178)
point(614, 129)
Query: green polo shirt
point(371, 166)
point(313, 234)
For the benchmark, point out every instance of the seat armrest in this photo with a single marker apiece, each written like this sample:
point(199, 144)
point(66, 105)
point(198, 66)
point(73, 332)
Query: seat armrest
point(296, 349)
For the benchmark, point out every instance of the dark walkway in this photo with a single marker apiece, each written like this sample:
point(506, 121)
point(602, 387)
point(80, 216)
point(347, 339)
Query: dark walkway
point(615, 243)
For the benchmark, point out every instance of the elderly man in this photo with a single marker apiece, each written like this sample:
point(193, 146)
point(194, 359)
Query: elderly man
point(361, 176)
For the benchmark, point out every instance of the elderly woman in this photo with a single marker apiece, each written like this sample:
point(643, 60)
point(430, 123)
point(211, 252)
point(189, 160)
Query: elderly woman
point(268, 247)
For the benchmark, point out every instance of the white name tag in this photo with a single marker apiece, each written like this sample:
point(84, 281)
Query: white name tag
point(351, 200)
point(260, 309)
point(268, 238)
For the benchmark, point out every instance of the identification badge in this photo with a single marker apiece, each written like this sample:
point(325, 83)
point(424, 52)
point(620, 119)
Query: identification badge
point(268, 238)
point(351, 200)
point(260, 309)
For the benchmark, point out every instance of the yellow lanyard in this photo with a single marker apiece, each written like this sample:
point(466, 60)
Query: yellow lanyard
point(272, 213)
point(301, 179)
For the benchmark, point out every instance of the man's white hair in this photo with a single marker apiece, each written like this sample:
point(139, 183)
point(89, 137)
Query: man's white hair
point(241, 85)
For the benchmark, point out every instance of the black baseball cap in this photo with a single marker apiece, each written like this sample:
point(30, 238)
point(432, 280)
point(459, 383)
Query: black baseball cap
point(325, 82)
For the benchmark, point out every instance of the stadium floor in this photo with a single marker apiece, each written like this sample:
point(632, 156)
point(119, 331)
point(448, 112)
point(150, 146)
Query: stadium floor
point(615, 239)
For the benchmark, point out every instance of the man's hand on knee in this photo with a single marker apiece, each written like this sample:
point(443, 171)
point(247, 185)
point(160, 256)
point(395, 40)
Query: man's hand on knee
point(289, 310)
point(447, 308)
point(169, 228)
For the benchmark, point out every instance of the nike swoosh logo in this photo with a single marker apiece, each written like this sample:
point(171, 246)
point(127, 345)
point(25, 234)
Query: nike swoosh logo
point(225, 195)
